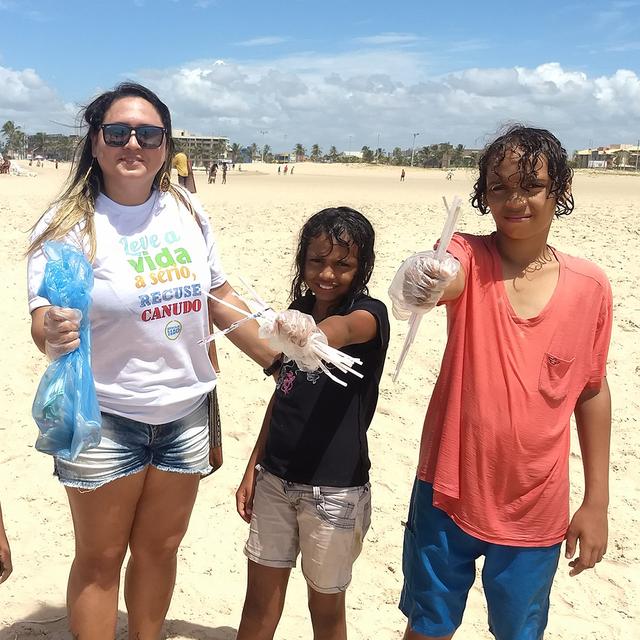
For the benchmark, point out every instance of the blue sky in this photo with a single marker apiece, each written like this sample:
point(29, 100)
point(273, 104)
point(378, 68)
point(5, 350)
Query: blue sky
point(342, 73)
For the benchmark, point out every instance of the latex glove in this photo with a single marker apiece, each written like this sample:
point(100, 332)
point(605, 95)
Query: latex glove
point(61, 331)
point(294, 333)
point(420, 282)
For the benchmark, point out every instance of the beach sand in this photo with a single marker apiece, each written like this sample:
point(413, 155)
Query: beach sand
point(256, 217)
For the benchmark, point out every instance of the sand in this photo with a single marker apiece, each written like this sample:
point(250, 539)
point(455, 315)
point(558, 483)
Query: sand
point(257, 215)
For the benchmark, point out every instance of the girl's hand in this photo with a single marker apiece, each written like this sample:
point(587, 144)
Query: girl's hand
point(588, 526)
point(61, 327)
point(5, 559)
point(244, 494)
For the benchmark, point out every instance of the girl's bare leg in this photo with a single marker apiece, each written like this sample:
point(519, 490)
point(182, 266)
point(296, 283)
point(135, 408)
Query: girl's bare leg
point(263, 604)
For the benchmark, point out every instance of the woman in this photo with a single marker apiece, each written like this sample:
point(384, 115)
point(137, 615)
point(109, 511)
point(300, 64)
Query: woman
point(154, 257)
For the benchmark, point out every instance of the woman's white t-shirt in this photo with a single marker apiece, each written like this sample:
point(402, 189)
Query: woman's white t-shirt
point(153, 267)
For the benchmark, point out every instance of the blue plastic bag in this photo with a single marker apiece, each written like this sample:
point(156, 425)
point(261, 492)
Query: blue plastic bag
point(66, 407)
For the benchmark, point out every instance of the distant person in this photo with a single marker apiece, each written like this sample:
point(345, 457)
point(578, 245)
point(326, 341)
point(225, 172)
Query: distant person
point(182, 167)
point(291, 172)
point(56, 163)
point(224, 173)
point(449, 174)
point(286, 168)
point(278, 169)
point(527, 341)
point(190, 184)
point(5, 553)
point(213, 172)
point(402, 174)
point(306, 486)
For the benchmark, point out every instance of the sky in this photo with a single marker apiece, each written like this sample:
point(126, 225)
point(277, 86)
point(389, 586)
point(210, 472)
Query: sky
point(347, 73)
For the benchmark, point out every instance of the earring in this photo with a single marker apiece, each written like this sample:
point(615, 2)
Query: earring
point(165, 182)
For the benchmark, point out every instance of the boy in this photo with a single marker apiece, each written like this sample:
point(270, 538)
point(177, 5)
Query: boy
point(528, 335)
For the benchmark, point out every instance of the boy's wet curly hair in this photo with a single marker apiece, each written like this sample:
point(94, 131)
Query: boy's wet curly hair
point(533, 144)
point(344, 226)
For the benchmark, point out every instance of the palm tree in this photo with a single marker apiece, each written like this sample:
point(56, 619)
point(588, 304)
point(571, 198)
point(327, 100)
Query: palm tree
point(333, 154)
point(13, 135)
point(397, 157)
point(367, 154)
point(300, 152)
point(315, 153)
point(235, 152)
point(266, 150)
point(254, 150)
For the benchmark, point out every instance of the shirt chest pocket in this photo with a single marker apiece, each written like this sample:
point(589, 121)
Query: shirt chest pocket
point(555, 377)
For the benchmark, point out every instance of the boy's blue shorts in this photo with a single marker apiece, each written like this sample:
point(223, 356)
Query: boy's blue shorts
point(439, 568)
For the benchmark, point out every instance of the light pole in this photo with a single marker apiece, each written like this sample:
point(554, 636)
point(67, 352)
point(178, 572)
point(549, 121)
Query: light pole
point(413, 146)
point(263, 132)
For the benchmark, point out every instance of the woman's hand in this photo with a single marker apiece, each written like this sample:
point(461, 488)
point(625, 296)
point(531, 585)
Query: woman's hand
point(244, 494)
point(61, 331)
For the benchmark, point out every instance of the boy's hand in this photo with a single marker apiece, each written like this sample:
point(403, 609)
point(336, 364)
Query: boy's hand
point(244, 494)
point(5, 560)
point(588, 526)
point(420, 282)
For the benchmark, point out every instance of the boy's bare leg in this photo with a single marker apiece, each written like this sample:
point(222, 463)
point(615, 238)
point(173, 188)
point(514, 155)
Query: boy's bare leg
point(263, 604)
point(328, 615)
point(102, 521)
point(409, 634)
point(161, 520)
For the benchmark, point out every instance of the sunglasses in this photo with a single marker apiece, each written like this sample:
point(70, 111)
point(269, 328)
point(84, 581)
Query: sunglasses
point(148, 136)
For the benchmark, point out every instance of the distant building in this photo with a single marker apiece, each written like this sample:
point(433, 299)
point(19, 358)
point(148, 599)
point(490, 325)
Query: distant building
point(282, 157)
point(613, 156)
point(201, 150)
point(352, 154)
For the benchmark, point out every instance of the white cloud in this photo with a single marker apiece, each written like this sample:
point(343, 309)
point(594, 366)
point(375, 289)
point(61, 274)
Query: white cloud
point(30, 102)
point(263, 41)
point(388, 38)
point(334, 99)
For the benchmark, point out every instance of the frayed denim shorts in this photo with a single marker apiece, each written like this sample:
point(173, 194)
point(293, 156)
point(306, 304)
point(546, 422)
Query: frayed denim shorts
point(127, 447)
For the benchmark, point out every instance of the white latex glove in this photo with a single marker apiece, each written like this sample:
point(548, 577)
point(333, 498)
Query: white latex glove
point(294, 333)
point(61, 331)
point(420, 282)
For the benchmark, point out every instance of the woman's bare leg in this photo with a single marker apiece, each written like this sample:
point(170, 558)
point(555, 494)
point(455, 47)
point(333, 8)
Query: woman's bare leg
point(102, 522)
point(160, 523)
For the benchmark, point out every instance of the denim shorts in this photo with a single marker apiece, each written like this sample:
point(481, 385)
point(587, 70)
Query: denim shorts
point(326, 525)
point(438, 562)
point(127, 447)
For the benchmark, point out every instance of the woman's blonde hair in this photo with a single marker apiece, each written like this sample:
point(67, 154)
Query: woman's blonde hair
point(76, 205)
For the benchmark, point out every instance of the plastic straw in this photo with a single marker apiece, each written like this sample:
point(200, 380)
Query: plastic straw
point(415, 319)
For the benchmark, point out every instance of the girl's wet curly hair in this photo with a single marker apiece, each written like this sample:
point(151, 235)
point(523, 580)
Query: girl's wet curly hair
point(344, 226)
point(533, 144)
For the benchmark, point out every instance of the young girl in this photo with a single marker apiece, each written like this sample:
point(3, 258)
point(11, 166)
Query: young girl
point(528, 334)
point(306, 487)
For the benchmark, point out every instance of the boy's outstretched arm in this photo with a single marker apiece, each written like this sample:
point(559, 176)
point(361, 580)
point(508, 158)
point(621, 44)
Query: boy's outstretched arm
point(5, 553)
point(589, 524)
point(244, 494)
